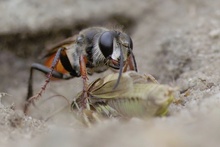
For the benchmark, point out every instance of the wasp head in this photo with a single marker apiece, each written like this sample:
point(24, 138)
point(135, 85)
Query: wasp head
point(116, 47)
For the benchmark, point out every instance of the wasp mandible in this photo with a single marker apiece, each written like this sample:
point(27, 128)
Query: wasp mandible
point(94, 49)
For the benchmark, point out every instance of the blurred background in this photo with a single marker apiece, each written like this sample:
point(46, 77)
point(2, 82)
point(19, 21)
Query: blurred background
point(177, 41)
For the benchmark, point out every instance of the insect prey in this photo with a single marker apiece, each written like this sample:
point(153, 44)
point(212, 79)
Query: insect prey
point(135, 96)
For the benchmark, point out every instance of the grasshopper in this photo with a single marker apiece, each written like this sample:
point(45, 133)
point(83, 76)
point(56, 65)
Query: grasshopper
point(135, 96)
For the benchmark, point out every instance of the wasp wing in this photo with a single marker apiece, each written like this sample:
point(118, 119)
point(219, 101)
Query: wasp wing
point(64, 43)
point(51, 52)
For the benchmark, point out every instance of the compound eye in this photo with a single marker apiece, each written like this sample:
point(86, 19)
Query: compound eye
point(106, 43)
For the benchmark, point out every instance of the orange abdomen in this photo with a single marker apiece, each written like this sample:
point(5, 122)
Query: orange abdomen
point(49, 60)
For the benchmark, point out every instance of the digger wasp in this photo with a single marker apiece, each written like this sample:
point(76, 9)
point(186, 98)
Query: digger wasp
point(94, 49)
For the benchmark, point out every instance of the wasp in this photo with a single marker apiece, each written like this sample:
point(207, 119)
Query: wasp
point(94, 49)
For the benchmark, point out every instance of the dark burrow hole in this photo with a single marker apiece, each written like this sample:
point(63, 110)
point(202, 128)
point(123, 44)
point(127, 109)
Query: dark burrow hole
point(31, 44)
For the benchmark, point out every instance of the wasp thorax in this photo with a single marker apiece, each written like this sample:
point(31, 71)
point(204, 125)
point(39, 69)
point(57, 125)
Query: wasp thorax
point(80, 39)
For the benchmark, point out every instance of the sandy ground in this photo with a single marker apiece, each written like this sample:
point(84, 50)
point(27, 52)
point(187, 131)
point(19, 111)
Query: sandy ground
point(175, 41)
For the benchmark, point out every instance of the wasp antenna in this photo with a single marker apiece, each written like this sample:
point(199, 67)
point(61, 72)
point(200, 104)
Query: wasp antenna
point(120, 70)
point(134, 60)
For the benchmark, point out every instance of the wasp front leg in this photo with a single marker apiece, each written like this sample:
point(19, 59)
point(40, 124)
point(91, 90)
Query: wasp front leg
point(131, 63)
point(83, 71)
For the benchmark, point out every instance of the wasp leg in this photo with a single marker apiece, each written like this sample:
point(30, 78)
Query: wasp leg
point(84, 96)
point(132, 62)
point(125, 67)
point(46, 70)
point(50, 74)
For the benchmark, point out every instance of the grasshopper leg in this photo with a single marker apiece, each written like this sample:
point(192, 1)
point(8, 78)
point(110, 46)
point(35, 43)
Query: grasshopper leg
point(89, 117)
point(150, 78)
